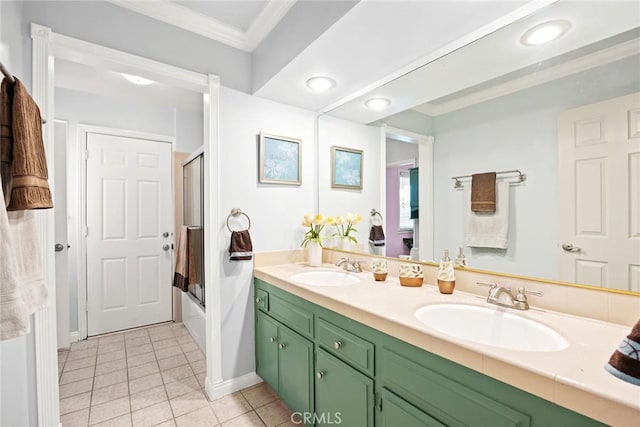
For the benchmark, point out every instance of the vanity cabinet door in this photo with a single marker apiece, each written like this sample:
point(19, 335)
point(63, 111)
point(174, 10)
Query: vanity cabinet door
point(295, 363)
point(267, 350)
point(343, 395)
point(394, 411)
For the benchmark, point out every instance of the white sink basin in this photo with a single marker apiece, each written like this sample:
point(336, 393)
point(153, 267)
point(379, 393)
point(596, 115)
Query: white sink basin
point(325, 278)
point(492, 327)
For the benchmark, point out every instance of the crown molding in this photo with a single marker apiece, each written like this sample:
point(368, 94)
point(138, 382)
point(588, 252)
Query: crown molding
point(266, 20)
point(568, 68)
point(180, 16)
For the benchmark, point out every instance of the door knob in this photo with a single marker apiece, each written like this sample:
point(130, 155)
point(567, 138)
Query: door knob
point(59, 247)
point(165, 247)
point(568, 247)
point(165, 234)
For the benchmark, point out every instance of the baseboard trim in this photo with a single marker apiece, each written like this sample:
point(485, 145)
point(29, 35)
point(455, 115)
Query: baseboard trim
point(73, 336)
point(223, 388)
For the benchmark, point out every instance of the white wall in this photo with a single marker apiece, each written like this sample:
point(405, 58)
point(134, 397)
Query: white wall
point(338, 201)
point(517, 131)
point(76, 108)
point(398, 151)
point(18, 407)
point(276, 211)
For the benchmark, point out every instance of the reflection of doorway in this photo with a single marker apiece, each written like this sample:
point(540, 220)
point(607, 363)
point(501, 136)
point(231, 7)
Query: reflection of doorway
point(599, 194)
point(399, 235)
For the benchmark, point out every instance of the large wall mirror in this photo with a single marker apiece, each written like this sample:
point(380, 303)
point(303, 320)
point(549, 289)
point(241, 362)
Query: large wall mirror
point(565, 113)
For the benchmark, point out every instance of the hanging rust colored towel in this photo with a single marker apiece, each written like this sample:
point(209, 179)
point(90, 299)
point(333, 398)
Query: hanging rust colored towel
point(181, 275)
point(483, 192)
point(6, 139)
point(240, 248)
point(625, 361)
point(29, 188)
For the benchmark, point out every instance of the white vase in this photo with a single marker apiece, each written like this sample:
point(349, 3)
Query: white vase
point(345, 244)
point(314, 254)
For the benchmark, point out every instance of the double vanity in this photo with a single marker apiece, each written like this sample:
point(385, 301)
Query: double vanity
point(340, 348)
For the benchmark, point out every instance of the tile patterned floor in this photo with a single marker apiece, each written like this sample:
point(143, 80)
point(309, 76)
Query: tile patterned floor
point(153, 377)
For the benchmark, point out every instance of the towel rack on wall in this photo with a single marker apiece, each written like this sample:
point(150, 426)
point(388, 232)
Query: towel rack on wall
point(458, 184)
point(236, 212)
point(12, 80)
point(375, 213)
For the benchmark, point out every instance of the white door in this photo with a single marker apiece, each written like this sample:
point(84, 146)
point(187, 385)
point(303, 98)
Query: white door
point(129, 219)
point(599, 194)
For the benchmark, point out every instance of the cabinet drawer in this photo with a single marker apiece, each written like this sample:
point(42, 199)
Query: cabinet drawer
point(298, 319)
point(262, 300)
point(345, 345)
point(396, 412)
point(452, 403)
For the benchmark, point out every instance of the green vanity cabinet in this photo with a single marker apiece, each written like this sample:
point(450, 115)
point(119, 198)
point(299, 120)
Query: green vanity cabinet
point(284, 360)
point(332, 364)
point(342, 393)
point(397, 412)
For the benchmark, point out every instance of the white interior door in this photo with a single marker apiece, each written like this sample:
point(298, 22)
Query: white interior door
point(129, 221)
point(599, 191)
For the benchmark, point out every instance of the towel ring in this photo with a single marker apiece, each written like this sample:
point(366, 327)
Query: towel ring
point(235, 212)
point(375, 213)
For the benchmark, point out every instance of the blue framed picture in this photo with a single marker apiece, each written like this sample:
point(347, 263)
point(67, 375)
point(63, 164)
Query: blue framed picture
point(280, 160)
point(346, 168)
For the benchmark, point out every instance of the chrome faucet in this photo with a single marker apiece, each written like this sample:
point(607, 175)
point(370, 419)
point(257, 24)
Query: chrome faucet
point(503, 297)
point(348, 264)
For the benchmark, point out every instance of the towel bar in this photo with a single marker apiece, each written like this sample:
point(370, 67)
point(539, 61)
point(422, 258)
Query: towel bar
point(458, 184)
point(235, 212)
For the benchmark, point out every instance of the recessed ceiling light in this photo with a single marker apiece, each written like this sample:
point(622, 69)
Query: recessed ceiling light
point(320, 83)
point(137, 80)
point(545, 32)
point(377, 103)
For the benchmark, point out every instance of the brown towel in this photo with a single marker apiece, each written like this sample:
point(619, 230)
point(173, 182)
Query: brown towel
point(483, 192)
point(181, 275)
point(29, 189)
point(376, 235)
point(241, 248)
point(625, 361)
point(6, 139)
point(194, 256)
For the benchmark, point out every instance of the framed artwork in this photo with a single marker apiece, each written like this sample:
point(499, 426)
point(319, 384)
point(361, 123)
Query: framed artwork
point(346, 168)
point(280, 160)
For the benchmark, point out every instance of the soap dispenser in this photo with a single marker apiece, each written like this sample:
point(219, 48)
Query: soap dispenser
point(446, 276)
point(461, 260)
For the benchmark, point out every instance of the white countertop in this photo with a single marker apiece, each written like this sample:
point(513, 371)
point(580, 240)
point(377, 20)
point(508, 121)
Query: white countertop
point(574, 378)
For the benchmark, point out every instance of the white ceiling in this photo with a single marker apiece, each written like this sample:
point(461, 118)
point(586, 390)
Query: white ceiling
point(239, 14)
point(83, 78)
point(501, 53)
point(373, 40)
point(240, 24)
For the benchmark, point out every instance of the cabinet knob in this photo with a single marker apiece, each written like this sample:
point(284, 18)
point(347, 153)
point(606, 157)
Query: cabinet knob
point(258, 300)
point(320, 374)
point(272, 339)
point(337, 345)
point(281, 346)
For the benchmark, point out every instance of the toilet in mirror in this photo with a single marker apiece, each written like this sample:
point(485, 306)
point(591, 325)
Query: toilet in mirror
point(551, 104)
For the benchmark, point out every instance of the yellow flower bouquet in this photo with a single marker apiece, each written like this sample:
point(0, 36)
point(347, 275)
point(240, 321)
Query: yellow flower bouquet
point(346, 226)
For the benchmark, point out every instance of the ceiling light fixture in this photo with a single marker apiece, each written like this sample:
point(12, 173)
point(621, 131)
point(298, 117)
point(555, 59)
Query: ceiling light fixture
point(377, 104)
point(545, 32)
point(137, 80)
point(320, 83)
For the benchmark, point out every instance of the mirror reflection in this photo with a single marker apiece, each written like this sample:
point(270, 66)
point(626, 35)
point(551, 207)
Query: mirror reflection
point(565, 112)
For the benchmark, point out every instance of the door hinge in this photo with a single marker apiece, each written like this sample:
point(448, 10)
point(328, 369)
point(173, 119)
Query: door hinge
point(86, 155)
point(85, 231)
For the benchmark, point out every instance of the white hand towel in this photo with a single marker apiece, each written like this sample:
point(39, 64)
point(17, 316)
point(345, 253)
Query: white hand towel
point(25, 240)
point(490, 230)
point(14, 316)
